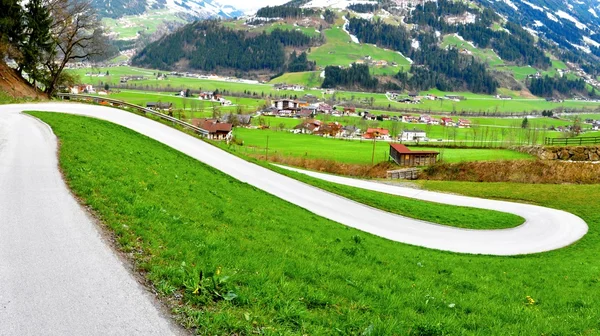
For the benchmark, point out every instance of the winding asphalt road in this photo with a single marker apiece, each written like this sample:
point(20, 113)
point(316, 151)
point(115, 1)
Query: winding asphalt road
point(58, 275)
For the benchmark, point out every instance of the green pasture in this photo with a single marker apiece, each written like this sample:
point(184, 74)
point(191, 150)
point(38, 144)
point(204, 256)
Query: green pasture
point(127, 27)
point(340, 50)
point(310, 79)
point(286, 143)
point(488, 56)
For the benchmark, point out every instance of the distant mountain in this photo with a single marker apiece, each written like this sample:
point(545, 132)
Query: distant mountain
point(572, 24)
point(192, 8)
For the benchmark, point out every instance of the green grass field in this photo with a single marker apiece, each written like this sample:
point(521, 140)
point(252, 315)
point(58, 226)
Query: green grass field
point(340, 50)
point(243, 262)
point(309, 79)
point(349, 151)
point(127, 27)
point(488, 56)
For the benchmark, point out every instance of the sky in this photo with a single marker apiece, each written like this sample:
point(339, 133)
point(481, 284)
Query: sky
point(252, 4)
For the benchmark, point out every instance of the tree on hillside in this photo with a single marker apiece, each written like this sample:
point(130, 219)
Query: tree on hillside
point(36, 43)
point(77, 34)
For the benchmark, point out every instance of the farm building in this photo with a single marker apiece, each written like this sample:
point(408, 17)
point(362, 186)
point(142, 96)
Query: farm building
point(405, 157)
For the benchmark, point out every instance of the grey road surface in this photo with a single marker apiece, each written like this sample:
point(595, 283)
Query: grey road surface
point(58, 276)
point(544, 230)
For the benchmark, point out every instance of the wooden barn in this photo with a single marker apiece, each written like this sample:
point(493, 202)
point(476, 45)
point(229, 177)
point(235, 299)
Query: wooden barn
point(405, 157)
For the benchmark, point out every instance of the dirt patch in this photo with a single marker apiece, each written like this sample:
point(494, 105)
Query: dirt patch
point(16, 87)
point(333, 167)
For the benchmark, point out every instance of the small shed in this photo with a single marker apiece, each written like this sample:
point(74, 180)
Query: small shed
point(407, 158)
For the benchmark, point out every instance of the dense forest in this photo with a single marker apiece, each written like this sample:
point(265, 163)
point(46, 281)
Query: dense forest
point(207, 46)
point(547, 86)
point(433, 67)
point(300, 63)
point(356, 76)
point(284, 11)
point(364, 7)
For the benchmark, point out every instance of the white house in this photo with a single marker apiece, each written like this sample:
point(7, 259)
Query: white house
point(413, 135)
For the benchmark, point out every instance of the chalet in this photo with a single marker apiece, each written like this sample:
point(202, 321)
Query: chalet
point(216, 130)
point(350, 131)
point(381, 63)
point(209, 95)
point(329, 91)
point(433, 121)
point(447, 121)
point(324, 108)
point(376, 134)
point(405, 157)
point(308, 126)
point(160, 106)
point(410, 119)
point(79, 89)
point(349, 109)
point(413, 135)
point(392, 94)
point(503, 97)
point(368, 116)
point(464, 123)
point(286, 107)
point(305, 113)
point(332, 129)
point(413, 94)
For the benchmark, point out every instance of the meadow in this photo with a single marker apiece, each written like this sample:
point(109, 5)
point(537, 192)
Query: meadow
point(239, 261)
point(350, 151)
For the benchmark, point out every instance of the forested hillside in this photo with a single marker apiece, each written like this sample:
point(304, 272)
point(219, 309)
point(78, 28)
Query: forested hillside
point(208, 46)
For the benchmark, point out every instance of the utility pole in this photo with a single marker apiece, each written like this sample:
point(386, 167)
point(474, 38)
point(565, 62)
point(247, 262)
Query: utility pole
point(373, 154)
point(267, 150)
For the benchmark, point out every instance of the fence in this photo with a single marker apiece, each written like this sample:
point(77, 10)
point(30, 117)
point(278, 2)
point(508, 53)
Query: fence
point(120, 103)
point(572, 141)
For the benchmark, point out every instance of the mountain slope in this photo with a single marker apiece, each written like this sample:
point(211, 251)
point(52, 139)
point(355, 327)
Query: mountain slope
point(572, 24)
point(191, 8)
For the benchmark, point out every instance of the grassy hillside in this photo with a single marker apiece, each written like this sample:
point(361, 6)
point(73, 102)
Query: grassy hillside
point(340, 50)
point(310, 79)
point(241, 261)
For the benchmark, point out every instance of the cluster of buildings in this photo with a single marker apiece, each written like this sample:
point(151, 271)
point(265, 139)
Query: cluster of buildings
point(337, 130)
point(371, 62)
point(416, 98)
point(595, 124)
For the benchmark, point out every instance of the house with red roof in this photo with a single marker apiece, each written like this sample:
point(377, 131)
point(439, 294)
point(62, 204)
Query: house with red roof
point(377, 134)
point(216, 130)
point(447, 121)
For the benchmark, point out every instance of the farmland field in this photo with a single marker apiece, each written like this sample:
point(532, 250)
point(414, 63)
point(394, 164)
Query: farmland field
point(350, 151)
point(241, 261)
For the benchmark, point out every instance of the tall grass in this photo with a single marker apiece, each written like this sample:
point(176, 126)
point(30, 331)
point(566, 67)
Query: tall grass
point(520, 171)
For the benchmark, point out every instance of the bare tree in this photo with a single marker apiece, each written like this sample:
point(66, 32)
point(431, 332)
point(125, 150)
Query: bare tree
point(77, 34)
